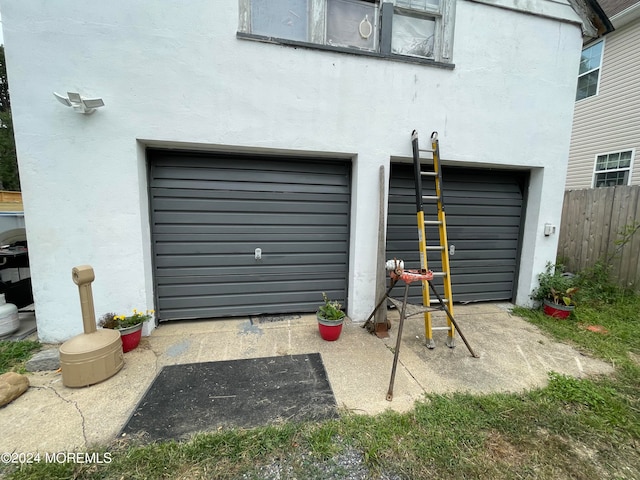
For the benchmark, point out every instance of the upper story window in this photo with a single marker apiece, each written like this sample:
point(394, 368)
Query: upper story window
point(613, 169)
point(421, 29)
point(589, 73)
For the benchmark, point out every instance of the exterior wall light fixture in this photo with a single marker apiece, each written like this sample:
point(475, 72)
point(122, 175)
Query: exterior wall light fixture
point(79, 104)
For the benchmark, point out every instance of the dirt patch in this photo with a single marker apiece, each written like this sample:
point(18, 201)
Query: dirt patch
point(501, 450)
point(635, 358)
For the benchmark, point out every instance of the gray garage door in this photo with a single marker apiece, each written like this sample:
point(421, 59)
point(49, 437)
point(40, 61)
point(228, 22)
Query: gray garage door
point(484, 210)
point(210, 215)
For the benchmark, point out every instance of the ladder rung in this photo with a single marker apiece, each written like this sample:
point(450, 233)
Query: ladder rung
point(436, 301)
point(440, 328)
point(435, 248)
point(439, 274)
point(425, 150)
point(430, 197)
point(433, 222)
point(429, 174)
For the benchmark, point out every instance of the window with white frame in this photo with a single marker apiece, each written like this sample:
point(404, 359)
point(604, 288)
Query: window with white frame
point(613, 169)
point(589, 72)
point(418, 29)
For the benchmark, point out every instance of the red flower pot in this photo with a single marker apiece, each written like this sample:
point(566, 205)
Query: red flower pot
point(130, 337)
point(557, 311)
point(330, 329)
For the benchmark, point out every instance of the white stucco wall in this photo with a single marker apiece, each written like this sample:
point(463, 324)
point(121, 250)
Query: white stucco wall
point(171, 74)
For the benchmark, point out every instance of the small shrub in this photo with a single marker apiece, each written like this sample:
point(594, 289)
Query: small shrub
point(596, 285)
point(555, 286)
point(331, 309)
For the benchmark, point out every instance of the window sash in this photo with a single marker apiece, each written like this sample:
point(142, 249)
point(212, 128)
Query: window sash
point(612, 179)
point(441, 12)
point(352, 24)
point(589, 71)
point(613, 168)
point(591, 58)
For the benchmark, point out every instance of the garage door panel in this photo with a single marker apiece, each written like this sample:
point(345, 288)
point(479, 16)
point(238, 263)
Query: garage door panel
point(237, 218)
point(282, 271)
point(244, 229)
point(457, 216)
point(218, 311)
point(479, 189)
point(211, 211)
point(484, 209)
point(256, 302)
point(232, 285)
point(191, 164)
point(465, 238)
point(259, 186)
point(243, 195)
point(245, 260)
point(476, 288)
point(248, 248)
point(224, 204)
point(245, 275)
point(463, 232)
point(249, 234)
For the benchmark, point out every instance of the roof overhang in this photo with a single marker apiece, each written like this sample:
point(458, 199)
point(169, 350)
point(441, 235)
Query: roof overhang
point(595, 22)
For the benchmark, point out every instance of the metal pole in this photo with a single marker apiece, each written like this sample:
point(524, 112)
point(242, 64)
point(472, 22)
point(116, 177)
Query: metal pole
point(398, 340)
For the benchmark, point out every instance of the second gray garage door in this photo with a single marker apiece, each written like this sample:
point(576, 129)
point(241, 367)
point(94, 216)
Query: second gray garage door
point(244, 235)
point(484, 209)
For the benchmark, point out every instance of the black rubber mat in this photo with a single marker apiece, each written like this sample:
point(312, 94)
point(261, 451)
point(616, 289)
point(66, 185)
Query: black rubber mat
point(200, 397)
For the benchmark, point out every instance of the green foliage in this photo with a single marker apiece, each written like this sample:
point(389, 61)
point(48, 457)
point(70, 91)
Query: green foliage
point(621, 320)
point(555, 286)
point(579, 391)
point(117, 322)
point(9, 178)
point(330, 310)
point(596, 286)
point(12, 354)
point(597, 283)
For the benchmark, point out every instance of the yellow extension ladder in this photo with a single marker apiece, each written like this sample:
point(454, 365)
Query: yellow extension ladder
point(432, 172)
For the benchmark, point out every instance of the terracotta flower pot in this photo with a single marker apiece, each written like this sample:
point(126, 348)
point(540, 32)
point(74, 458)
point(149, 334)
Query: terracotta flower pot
point(329, 329)
point(557, 311)
point(130, 337)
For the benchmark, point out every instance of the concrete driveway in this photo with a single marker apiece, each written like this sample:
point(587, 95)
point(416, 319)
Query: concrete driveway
point(513, 356)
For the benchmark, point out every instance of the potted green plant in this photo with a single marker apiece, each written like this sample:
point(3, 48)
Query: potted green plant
point(129, 326)
point(330, 319)
point(556, 290)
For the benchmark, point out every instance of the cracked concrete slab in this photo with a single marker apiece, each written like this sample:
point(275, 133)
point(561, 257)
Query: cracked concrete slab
point(514, 356)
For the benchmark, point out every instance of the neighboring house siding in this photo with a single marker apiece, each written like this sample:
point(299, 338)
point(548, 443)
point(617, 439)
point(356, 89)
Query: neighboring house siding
point(610, 121)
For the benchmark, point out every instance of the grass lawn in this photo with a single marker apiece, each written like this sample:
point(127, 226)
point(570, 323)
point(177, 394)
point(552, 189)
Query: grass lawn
point(14, 354)
point(572, 429)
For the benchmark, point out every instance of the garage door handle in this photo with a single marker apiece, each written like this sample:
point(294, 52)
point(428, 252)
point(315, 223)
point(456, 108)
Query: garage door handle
point(258, 253)
point(452, 250)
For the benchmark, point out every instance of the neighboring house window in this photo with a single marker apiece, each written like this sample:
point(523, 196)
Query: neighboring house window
point(613, 169)
point(589, 73)
point(420, 29)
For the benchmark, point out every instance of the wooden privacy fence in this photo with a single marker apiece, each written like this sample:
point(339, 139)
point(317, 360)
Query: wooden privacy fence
point(591, 222)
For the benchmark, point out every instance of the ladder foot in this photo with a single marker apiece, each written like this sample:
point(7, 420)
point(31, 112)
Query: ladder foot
point(431, 344)
point(389, 396)
point(451, 342)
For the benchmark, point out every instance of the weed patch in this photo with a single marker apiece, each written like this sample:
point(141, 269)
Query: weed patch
point(13, 354)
